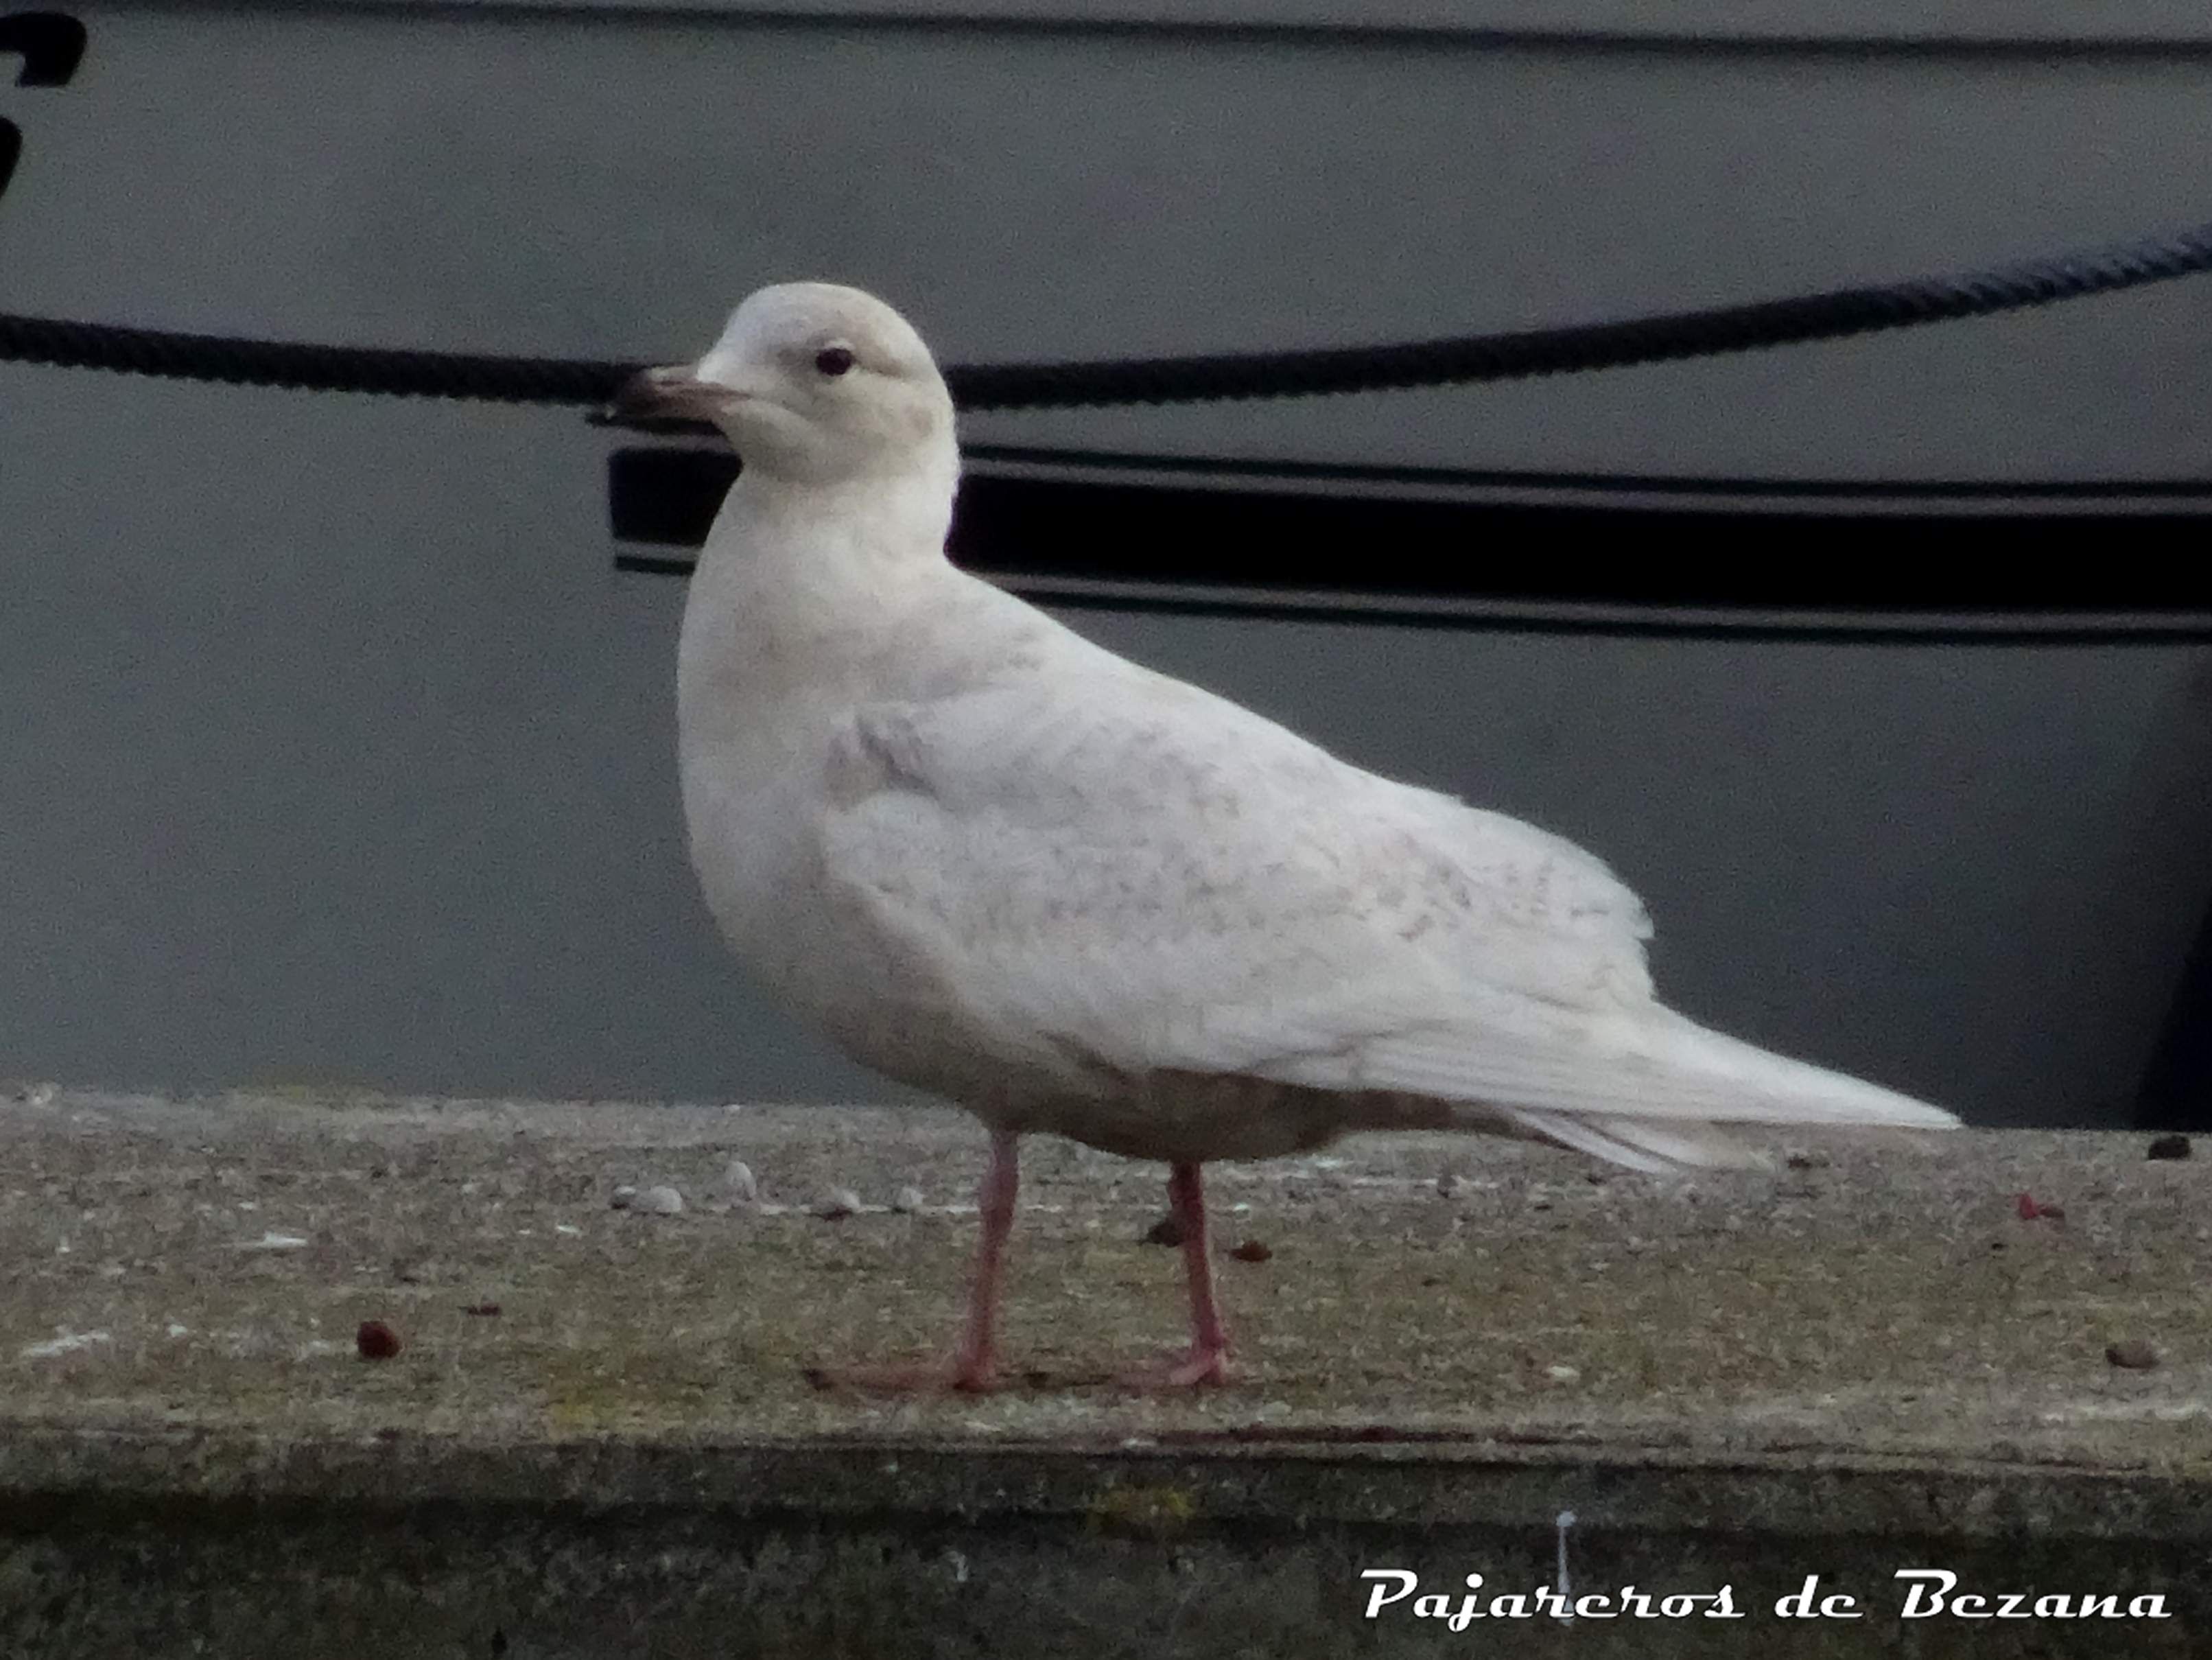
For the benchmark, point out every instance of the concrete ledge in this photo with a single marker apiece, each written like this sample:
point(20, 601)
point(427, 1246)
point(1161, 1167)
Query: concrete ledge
point(1868, 1362)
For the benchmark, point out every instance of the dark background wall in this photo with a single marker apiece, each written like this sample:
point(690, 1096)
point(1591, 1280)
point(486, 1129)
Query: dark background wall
point(338, 749)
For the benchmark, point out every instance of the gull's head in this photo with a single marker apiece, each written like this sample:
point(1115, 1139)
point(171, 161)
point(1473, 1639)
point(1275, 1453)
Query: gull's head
point(814, 383)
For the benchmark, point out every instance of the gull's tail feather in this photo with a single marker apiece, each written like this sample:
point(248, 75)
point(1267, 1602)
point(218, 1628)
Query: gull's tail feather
point(1643, 1146)
point(1647, 1090)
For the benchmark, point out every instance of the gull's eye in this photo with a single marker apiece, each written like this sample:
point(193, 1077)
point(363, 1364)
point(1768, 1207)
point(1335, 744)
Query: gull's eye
point(833, 360)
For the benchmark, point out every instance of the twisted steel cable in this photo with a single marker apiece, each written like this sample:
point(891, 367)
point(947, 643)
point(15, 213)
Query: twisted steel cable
point(1459, 361)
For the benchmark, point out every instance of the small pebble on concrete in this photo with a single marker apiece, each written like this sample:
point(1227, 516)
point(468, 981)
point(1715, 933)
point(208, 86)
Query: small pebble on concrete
point(2170, 1146)
point(2134, 1354)
point(376, 1341)
point(623, 1197)
point(907, 1200)
point(836, 1204)
point(662, 1201)
point(1252, 1250)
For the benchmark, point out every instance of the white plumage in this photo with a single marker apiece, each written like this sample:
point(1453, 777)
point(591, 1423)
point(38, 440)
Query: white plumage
point(996, 860)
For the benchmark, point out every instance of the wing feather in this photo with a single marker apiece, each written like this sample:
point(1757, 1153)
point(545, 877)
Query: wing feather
point(1170, 881)
point(1163, 881)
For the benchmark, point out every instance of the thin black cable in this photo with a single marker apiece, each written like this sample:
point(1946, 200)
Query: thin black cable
point(1531, 352)
point(300, 366)
point(1462, 360)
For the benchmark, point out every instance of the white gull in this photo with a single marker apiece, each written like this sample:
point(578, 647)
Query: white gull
point(994, 859)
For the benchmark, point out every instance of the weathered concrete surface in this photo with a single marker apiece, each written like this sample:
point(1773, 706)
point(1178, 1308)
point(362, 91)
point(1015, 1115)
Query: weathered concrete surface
point(1867, 1362)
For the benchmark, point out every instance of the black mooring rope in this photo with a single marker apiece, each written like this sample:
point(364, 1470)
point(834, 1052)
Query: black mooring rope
point(1531, 352)
point(1457, 362)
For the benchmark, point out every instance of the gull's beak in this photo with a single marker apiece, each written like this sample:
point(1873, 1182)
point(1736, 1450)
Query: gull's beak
point(675, 392)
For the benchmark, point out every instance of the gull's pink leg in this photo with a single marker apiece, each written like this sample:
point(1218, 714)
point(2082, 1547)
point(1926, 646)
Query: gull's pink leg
point(974, 1363)
point(1208, 1359)
point(1209, 1344)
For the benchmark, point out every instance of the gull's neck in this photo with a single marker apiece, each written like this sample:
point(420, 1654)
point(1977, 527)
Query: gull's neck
point(804, 588)
point(866, 526)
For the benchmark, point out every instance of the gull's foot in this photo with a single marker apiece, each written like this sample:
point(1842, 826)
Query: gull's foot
point(958, 1375)
point(1201, 1368)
